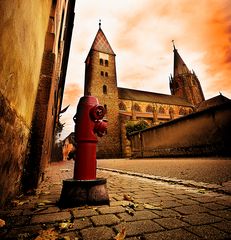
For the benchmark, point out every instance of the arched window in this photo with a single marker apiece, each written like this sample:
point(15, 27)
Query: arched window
point(104, 89)
point(102, 73)
point(106, 74)
point(101, 61)
point(182, 111)
point(149, 108)
point(136, 107)
point(161, 110)
point(106, 63)
point(122, 106)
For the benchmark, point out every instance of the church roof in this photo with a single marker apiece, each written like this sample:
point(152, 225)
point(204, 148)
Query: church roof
point(137, 95)
point(101, 43)
point(212, 102)
point(179, 65)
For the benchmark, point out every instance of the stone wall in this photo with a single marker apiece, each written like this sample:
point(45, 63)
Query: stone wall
point(201, 133)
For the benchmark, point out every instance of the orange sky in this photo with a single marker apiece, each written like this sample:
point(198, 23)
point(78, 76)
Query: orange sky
point(140, 33)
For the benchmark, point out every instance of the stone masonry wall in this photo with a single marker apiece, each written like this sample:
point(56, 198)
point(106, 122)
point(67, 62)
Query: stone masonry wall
point(35, 164)
point(201, 133)
point(109, 146)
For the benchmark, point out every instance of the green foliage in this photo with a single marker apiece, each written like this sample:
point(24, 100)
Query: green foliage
point(134, 127)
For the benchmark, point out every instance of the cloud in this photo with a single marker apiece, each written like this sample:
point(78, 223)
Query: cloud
point(140, 33)
point(71, 94)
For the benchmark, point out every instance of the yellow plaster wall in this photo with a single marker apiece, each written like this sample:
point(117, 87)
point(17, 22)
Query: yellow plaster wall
point(23, 27)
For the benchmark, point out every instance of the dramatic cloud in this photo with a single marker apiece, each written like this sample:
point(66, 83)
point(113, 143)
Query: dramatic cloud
point(140, 33)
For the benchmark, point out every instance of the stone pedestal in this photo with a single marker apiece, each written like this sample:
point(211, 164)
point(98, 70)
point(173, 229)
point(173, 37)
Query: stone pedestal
point(83, 192)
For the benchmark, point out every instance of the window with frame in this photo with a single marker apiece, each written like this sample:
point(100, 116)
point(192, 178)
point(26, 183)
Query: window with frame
point(106, 63)
point(122, 106)
point(136, 107)
point(102, 73)
point(182, 111)
point(161, 110)
point(149, 108)
point(104, 89)
point(106, 74)
point(101, 61)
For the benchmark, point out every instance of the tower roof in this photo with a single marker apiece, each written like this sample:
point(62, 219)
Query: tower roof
point(101, 43)
point(179, 65)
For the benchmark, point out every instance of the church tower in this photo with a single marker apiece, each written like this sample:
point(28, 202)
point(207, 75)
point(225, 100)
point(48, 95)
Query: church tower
point(101, 82)
point(185, 83)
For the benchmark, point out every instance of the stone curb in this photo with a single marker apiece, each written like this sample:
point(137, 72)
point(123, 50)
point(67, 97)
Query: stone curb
point(186, 183)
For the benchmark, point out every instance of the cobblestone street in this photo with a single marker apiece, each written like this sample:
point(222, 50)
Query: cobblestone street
point(140, 208)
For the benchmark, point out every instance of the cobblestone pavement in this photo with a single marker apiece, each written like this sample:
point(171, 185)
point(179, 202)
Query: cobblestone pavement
point(140, 208)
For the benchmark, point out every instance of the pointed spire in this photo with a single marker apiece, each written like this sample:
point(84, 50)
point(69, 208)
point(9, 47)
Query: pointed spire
point(179, 65)
point(174, 48)
point(101, 43)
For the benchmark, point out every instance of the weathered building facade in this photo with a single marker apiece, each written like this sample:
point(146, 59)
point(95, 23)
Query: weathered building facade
point(34, 44)
point(124, 105)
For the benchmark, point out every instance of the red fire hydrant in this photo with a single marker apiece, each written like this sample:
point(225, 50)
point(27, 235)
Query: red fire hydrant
point(85, 188)
point(88, 122)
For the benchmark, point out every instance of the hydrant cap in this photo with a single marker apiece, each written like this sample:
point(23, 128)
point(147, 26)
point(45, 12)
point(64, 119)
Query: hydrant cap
point(97, 112)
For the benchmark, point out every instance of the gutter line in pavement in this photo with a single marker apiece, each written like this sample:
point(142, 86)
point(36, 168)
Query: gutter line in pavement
point(187, 183)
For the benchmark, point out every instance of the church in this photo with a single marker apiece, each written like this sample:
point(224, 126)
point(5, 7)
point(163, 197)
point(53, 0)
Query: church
point(124, 105)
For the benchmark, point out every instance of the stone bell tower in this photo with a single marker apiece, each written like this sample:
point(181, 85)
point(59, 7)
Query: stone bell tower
point(101, 82)
point(185, 83)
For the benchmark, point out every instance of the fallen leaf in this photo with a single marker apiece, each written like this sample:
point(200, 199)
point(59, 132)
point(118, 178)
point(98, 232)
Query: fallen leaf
point(203, 191)
point(47, 201)
point(22, 236)
point(129, 211)
point(65, 170)
point(23, 202)
point(2, 223)
point(41, 204)
point(133, 205)
point(49, 234)
point(65, 225)
point(45, 193)
point(152, 207)
point(128, 197)
point(20, 196)
point(16, 203)
point(121, 235)
point(66, 238)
